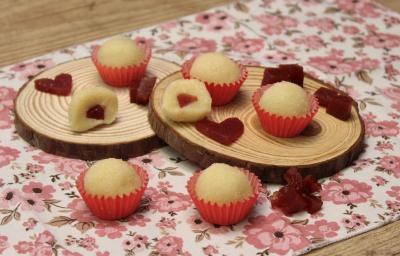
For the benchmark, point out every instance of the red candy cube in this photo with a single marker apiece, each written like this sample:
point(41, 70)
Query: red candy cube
point(340, 107)
point(336, 104)
point(141, 90)
point(274, 75)
point(295, 72)
point(324, 96)
point(291, 72)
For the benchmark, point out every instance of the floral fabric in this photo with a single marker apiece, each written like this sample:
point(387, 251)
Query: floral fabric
point(355, 45)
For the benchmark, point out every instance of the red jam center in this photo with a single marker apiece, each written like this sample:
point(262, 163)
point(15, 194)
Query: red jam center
point(185, 99)
point(291, 72)
point(61, 85)
point(95, 112)
point(226, 132)
point(141, 90)
point(298, 194)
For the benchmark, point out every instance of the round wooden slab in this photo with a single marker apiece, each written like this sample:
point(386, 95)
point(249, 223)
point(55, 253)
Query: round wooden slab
point(324, 148)
point(42, 119)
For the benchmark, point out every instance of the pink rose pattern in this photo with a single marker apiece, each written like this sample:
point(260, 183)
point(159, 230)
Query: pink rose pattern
point(79, 211)
point(356, 48)
point(276, 233)
point(169, 245)
point(321, 229)
point(110, 230)
point(27, 70)
point(346, 191)
point(3, 243)
point(7, 95)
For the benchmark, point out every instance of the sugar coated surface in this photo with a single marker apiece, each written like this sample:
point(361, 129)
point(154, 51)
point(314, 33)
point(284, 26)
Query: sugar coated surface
point(120, 51)
point(215, 67)
point(222, 183)
point(111, 177)
point(285, 99)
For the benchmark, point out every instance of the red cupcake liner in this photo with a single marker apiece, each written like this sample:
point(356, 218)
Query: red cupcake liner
point(221, 94)
point(117, 207)
point(281, 126)
point(123, 76)
point(226, 214)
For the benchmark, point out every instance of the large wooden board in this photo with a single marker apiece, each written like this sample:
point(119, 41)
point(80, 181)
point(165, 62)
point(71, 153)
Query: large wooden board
point(324, 148)
point(42, 119)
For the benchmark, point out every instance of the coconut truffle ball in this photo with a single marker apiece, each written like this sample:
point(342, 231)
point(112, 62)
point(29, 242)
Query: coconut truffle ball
point(285, 99)
point(111, 177)
point(120, 51)
point(222, 183)
point(215, 67)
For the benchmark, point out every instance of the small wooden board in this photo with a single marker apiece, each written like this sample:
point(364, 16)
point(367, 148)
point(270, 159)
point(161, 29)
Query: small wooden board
point(42, 119)
point(324, 148)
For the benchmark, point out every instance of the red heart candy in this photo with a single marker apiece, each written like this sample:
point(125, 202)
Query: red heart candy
point(44, 84)
point(225, 132)
point(61, 85)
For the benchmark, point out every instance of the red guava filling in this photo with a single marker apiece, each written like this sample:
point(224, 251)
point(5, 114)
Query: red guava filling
point(95, 112)
point(185, 99)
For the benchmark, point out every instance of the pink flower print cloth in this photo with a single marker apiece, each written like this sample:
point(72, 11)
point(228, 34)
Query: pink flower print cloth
point(356, 48)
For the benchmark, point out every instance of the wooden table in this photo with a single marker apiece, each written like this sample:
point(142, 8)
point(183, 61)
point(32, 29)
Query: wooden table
point(25, 33)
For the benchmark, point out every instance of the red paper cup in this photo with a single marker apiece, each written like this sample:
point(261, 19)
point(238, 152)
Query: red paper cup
point(221, 94)
point(116, 207)
point(122, 76)
point(281, 126)
point(225, 214)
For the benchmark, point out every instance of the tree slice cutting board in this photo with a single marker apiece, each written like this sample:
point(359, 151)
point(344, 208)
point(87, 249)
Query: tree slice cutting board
point(42, 119)
point(324, 148)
